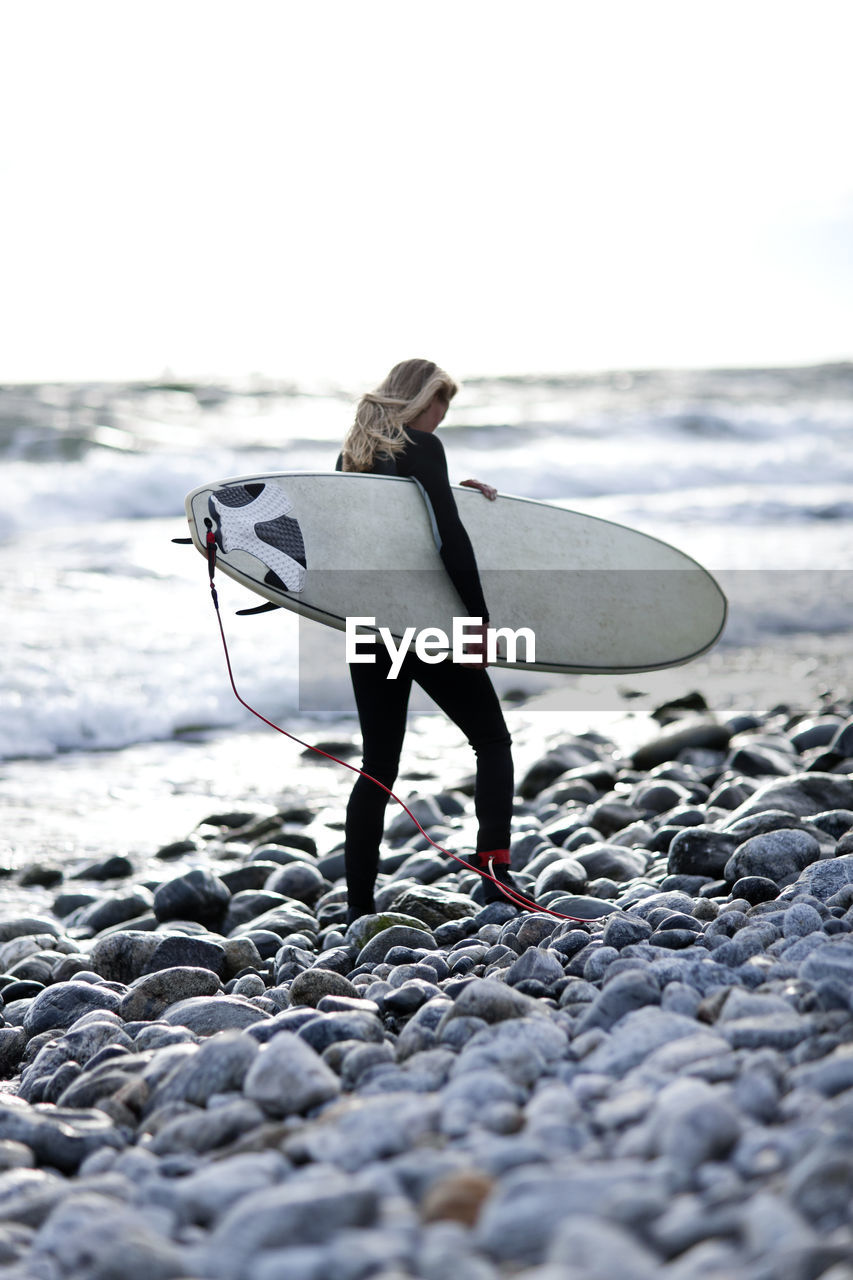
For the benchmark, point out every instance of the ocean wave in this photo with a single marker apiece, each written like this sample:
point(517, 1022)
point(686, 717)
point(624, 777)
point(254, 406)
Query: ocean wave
point(104, 487)
point(633, 484)
point(737, 504)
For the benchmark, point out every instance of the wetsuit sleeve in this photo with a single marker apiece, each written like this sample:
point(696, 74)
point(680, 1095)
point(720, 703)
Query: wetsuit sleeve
point(424, 461)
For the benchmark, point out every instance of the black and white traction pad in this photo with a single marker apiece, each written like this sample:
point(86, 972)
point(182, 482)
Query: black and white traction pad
point(256, 518)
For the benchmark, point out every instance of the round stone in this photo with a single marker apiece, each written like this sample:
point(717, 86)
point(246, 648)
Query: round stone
point(755, 889)
point(198, 896)
point(309, 987)
point(398, 935)
point(300, 880)
point(700, 851)
point(775, 855)
point(62, 1004)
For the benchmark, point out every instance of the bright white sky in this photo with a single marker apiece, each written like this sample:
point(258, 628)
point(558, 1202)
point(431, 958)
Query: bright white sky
point(319, 188)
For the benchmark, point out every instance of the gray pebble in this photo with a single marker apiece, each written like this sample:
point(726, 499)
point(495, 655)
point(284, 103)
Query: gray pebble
point(432, 905)
point(533, 963)
point(776, 855)
point(569, 1073)
point(61, 1005)
point(310, 986)
point(639, 1034)
point(206, 1195)
point(559, 873)
point(27, 926)
point(15, 1155)
point(93, 1235)
point(152, 994)
point(623, 994)
point(611, 861)
point(60, 1139)
point(492, 1001)
point(218, 1065)
point(701, 732)
point(829, 1076)
point(299, 879)
point(397, 935)
point(206, 1017)
point(800, 920)
point(123, 956)
point(116, 909)
point(821, 1187)
point(803, 795)
point(772, 1030)
point(623, 930)
point(597, 963)
point(288, 1077)
point(823, 879)
point(203, 1131)
point(197, 895)
point(599, 1249)
point(328, 1028)
point(367, 1129)
point(827, 960)
point(700, 851)
point(178, 951)
point(520, 1222)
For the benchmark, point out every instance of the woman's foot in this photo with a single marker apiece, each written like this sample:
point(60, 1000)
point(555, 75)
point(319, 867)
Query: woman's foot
point(495, 863)
point(355, 913)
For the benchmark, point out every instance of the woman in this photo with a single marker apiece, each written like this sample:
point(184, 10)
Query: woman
point(394, 434)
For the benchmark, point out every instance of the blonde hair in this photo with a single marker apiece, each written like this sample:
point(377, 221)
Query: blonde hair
point(382, 415)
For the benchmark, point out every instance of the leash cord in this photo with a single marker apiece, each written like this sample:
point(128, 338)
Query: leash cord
point(512, 895)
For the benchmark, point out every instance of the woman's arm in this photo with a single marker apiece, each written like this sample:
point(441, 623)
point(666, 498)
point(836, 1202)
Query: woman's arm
point(425, 462)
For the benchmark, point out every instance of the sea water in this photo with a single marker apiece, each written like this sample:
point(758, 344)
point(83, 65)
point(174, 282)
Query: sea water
point(109, 639)
point(108, 635)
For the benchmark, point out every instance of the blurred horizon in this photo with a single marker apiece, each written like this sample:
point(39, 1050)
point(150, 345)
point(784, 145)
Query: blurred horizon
point(259, 382)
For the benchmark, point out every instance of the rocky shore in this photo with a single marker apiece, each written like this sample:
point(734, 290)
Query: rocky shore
point(206, 1074)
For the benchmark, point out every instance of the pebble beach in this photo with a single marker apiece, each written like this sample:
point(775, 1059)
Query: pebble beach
point(206, 1074)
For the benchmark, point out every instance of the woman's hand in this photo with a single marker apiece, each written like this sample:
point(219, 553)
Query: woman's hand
point(486, 489)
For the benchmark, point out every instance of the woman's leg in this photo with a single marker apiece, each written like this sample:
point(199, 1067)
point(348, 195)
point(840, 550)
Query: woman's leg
point(468, 697)
point(382, 705)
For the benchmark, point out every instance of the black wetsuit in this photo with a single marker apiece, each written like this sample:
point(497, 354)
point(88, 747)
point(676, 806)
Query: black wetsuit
point(464, 693)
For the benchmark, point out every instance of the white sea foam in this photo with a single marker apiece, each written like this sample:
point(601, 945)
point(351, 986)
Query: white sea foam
point(110, 642)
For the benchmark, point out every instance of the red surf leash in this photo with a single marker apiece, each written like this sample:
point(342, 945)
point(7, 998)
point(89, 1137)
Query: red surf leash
point(512, 895)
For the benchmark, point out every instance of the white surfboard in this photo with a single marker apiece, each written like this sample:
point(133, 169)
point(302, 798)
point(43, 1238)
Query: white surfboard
point(598, 596)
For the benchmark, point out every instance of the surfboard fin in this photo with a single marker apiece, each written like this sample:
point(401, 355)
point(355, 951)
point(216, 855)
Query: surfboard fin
point(258, 608)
